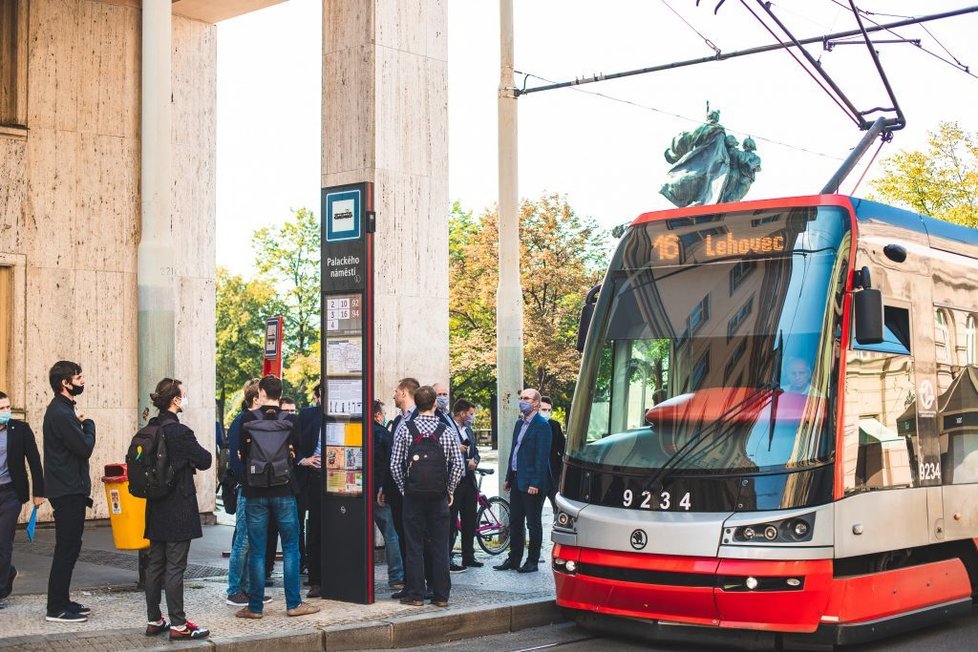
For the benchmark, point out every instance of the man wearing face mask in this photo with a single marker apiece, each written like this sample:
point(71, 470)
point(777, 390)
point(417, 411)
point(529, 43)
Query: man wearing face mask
point(466, 493)
point(557, 444)
point(18, 452)
point(444, 416)
point(69, 439)
point(527, 479)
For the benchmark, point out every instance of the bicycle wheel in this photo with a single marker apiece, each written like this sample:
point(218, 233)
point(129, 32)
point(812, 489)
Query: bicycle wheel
point(492, 526)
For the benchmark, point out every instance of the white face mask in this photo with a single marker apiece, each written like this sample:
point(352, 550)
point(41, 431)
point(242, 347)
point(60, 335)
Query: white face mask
point(545, 413)
point(184, 402)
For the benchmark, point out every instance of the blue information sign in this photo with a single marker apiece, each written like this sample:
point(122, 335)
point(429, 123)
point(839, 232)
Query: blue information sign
point(343, 216)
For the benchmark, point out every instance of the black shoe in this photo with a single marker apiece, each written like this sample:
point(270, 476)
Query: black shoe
point(239, 599)
point(397, 595)
point(528, 567)
point(157, 628)
point(456, 568)
point(67, 616)
point(315, 591)
point(472, 563)
point(80, 609)
point(507, 565)
point(13, 576)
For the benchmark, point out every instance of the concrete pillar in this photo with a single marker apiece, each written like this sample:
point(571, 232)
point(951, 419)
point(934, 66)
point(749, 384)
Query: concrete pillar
point(155, 255)
point(509, 295)
point(385, 120)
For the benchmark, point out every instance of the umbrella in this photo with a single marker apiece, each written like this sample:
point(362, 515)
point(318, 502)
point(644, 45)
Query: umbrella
point(31, 524)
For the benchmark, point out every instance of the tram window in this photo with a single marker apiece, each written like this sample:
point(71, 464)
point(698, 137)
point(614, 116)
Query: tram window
point(896, 333)
point(969, 339)
point(942, 336)
point(881, 450)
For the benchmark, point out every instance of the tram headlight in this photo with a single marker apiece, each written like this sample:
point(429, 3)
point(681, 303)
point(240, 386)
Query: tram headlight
point(799, 528)
point(564, 521)
point(751, 583)
point(564, 565)
point(789, 530)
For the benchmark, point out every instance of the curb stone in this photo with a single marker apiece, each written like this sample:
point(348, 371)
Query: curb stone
point(425, 628)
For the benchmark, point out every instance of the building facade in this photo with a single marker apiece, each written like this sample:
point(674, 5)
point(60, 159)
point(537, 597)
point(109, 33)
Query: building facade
point(72, 214)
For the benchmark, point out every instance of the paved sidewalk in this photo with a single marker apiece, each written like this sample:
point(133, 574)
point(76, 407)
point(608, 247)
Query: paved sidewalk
point(105, 580)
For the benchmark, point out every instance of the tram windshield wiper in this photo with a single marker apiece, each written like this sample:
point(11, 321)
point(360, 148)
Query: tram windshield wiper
point(755, 398)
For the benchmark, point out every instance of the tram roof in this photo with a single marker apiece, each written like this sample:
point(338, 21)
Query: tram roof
point(965, 237)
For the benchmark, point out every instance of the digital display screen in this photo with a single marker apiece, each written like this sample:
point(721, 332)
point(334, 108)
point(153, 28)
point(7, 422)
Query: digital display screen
point(733, 236)
point(668, 246)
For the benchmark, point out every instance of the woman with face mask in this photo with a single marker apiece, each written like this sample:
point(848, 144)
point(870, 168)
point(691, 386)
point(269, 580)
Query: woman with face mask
point(173, 520)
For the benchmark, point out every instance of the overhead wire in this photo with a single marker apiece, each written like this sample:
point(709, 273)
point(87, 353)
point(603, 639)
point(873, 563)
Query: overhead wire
point(639, 105)
point(708, 42)
point(832, 95)
point(867, 168)
point(956, 64)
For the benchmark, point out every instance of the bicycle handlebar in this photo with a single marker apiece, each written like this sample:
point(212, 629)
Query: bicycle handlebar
point(485, 471)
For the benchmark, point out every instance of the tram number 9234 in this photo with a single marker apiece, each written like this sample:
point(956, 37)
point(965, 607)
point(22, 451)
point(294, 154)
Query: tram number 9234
point(648, 500)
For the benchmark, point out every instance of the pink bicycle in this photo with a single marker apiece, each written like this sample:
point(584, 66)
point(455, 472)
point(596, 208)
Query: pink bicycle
point(491, 520)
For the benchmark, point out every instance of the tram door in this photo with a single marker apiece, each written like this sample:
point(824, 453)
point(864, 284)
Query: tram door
point(927, 471)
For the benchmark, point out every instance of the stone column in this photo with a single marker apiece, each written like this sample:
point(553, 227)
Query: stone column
point(385, 120)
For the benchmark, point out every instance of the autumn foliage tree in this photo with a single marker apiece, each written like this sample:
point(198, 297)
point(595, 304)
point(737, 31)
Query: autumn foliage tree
point(941, 182)
point(242, 306)
point(562, 256)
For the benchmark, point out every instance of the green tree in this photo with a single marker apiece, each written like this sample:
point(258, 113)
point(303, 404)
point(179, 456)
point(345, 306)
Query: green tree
point(242, 307)
point(941, 182)
point(562, 257)
point(288, 258)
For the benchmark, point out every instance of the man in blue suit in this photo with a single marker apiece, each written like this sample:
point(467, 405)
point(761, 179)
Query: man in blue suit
point(527, 479)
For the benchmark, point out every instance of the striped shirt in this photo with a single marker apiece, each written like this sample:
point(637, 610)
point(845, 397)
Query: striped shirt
point(426, 424)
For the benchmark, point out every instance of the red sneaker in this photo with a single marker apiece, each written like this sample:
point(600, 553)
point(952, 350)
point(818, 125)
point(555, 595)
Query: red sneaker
point(190, 631)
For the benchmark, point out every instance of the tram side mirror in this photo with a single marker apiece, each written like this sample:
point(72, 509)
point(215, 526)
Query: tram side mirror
point(587, 313)
point(869, 316)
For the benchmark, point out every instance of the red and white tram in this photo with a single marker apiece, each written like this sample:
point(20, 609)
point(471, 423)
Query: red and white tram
point(774, 437)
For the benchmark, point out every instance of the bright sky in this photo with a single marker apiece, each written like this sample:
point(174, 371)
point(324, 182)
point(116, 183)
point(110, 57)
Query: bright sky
point(605, 155)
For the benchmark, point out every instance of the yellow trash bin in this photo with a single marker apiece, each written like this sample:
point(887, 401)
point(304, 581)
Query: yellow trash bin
point(126, 512)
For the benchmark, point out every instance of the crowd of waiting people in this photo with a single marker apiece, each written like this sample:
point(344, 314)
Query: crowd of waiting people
point(425, 462)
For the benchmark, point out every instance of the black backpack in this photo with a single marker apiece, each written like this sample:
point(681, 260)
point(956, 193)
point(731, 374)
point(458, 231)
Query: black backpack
point(269, 450)
point(427, 474)
point(148, 462)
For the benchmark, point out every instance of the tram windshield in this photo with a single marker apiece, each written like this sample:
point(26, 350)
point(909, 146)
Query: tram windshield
point(716, 329)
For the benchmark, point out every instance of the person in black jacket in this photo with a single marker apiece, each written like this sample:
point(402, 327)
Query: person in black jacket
point(16, 445)
point(310, 477)
point(384, 486)
point(269, 500)
point(69, 439)
point(173, 520)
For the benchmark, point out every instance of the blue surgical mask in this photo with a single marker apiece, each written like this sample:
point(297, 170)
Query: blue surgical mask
point(4, 417)
point(525, 407)
point(468, 422)
point(442, 402)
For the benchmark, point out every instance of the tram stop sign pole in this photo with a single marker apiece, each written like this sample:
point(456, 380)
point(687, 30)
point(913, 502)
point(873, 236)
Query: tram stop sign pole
point(347, 393)
point(272, 363)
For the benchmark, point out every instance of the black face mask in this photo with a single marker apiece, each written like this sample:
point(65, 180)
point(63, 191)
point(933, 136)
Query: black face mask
point(75, 390)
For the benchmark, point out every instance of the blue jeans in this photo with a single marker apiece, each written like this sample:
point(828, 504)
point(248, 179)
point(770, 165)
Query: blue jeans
point(238, 562)
point(385, 521)
point(286, 514)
